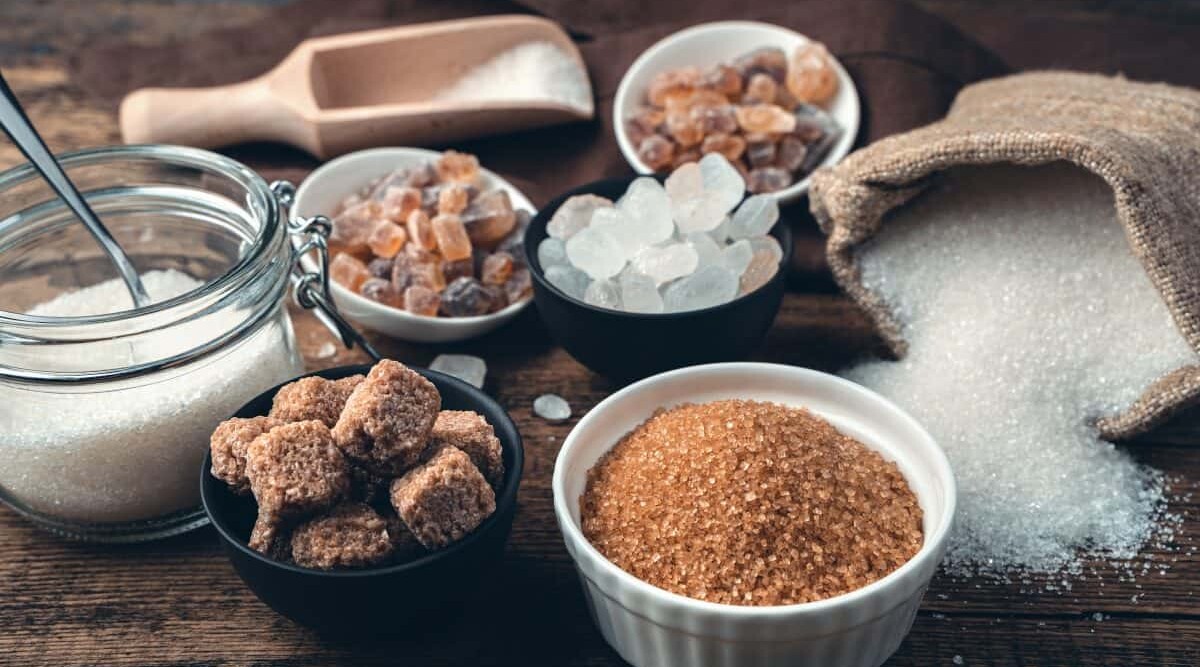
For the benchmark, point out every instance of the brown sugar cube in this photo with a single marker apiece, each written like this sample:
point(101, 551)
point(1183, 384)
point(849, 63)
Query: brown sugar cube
point(471, 433)
point(443, 499)
point(351, 535)
point(367, 486)
point(228, 445)
point(386, 422)
point(295, 470)
point(313, 398)
point(405, 546)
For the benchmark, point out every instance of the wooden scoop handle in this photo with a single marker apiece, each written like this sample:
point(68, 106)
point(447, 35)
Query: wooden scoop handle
point(208, 117)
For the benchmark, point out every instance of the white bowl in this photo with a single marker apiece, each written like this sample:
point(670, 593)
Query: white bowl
point(325, 188)
point(710, 44)
point(649, 626)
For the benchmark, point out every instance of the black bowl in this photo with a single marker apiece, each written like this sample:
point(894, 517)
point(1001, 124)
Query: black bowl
point(629, 346)
point(395, 599)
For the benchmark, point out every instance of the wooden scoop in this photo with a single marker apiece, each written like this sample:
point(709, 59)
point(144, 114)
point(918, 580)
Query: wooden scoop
point(337, 94)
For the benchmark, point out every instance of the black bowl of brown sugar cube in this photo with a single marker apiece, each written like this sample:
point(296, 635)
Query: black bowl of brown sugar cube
point(365, 499)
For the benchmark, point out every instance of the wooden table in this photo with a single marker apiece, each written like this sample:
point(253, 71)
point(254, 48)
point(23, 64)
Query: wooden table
point(178, 602)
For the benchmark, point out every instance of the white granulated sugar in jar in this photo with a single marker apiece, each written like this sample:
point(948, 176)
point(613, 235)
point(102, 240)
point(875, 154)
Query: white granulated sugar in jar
point(1027, 318)
point(533, 71)
point(130, 450)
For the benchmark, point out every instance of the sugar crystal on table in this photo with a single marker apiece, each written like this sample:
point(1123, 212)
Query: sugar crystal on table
point(1073, 330)
point(552, 408)
point(468, 368)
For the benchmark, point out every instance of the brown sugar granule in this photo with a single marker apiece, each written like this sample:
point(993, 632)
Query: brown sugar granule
point(749, 503)
point(470, 432)
point(386, 422)
point(295, 470)
point(443, 499)
point(228, 446)
point(351, 535)
point(313, 398)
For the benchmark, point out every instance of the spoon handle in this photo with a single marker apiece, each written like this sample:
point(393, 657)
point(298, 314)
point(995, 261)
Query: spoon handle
point(16, 124)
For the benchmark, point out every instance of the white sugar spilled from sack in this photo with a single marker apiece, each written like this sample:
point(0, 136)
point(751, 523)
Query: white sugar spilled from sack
point(1027, 319)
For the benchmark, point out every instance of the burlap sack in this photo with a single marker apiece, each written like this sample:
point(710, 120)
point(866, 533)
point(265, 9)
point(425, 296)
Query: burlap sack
point(1142, 139)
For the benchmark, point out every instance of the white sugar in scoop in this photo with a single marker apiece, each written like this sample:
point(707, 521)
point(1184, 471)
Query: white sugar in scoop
point(1027, 318)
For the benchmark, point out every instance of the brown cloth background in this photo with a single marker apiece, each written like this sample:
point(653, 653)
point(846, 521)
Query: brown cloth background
point(907, 64)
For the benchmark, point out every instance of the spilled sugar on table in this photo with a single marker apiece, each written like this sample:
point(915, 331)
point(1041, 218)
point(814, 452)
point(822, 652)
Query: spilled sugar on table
point(178, 602)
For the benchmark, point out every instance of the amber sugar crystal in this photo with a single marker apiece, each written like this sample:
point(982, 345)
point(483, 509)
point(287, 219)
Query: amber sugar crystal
point(749, 503)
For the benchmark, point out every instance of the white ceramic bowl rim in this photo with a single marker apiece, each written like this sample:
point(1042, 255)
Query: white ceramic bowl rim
point(793, 191)
point(941, 468)
point(342, 293)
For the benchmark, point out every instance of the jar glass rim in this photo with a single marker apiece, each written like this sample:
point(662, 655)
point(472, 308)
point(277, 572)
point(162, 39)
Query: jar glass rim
point(239, 173)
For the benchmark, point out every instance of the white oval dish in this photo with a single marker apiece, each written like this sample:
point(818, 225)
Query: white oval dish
point(649, 626)
point(325, 188)
point(709, 44)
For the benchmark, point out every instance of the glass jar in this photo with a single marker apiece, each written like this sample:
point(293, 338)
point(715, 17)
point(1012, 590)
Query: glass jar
point(106, 418)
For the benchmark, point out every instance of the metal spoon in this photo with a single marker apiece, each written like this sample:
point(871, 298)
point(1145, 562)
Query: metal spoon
point(18, 128)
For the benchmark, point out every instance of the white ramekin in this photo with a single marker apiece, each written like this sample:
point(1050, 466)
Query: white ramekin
point(649, 626)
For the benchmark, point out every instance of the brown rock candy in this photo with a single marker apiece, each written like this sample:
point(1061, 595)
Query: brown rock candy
point(489, 218)
point(386, 239)
point(760, 89)
point(519, 286)
point(452, 199)
point(313, 398)
point(295, 470)
point(420, 231)
point(765, 118)
point(228, 446)
point(673, 83)
point(497, 268)
point(443, 499)
point(724, 79)
point(381, 291)
point(656, 151)
point(399, 202)
point(420, 300)
point(466, 297)
point(452, 270)
point(456, 167)
point(768, 179)
point(386, 422)
point(348, 271)
point(730, 146)
point(768, 60)
point(352, 535)
point(452, 240)
point(811, 77)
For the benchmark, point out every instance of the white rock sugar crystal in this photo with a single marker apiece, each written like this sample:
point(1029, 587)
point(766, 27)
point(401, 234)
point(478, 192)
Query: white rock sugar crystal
point(552, 408)
point(105, 453)
point(1027, 318)
point(533, 71)
point(664, 248)
point(468, 368)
